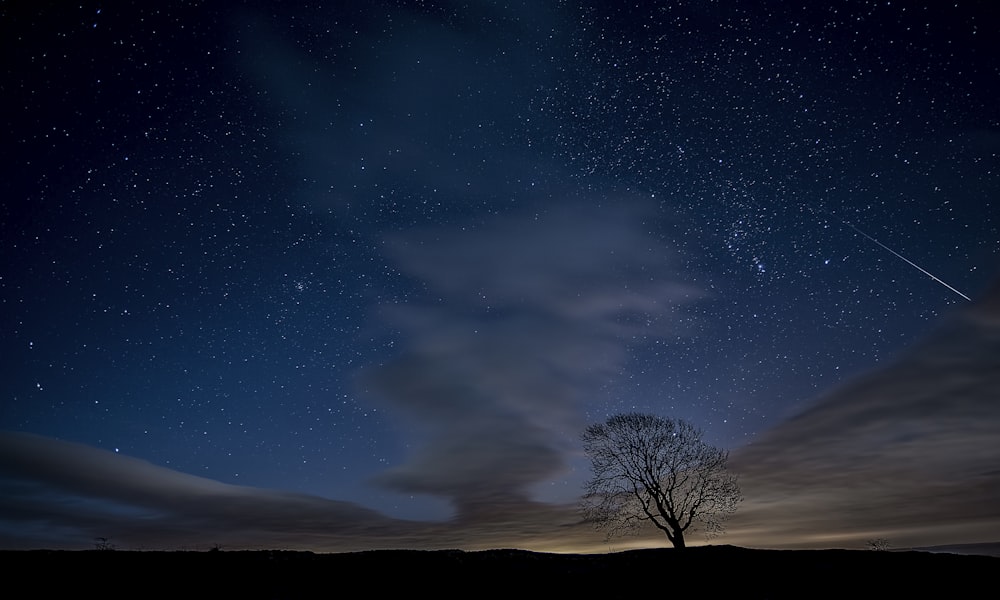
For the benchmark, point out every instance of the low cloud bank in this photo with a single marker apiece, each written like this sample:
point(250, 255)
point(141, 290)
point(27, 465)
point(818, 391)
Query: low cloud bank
point(908, 452)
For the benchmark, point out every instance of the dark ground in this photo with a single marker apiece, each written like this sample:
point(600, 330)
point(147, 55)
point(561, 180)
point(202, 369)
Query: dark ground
point(707, 572)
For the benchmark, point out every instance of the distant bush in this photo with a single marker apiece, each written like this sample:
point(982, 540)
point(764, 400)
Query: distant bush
point(878, 544)
point(103, 543)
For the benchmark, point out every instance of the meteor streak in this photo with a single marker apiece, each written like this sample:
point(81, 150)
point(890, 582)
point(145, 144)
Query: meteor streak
point(908, 261)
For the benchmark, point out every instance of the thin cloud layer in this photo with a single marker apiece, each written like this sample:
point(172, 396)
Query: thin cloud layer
point(414, 97)
point(58, 494)
point(83, 492)
point(532, 315)
point(906, 452)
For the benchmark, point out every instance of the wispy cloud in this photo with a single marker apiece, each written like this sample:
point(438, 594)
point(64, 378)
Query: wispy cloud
point(529, 315)
point(906, 451)
point(56, 486)
point(58, 494)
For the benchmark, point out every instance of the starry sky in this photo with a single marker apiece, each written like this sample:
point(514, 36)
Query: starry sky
point(357, 275)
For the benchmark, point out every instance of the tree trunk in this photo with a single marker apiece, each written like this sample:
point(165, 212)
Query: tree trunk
point(674, 532)
point(678, 540)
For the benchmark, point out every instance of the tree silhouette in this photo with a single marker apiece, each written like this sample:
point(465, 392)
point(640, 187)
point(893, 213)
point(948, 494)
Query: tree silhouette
point(878, 544)
point(103, 543)
point(649, 469)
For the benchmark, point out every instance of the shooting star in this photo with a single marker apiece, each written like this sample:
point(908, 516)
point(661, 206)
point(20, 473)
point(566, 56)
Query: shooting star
point(908, 261)
point(818, 211)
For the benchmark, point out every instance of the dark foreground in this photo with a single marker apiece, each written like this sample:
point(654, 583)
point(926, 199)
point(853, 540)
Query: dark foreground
point(707, 572)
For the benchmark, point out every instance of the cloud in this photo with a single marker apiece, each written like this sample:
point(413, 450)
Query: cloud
point(84, 492)
point(59, 494)
point(532, 314)
point(907, 450)
point(411, 100)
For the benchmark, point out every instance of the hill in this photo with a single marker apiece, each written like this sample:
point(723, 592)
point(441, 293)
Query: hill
point(710, 571)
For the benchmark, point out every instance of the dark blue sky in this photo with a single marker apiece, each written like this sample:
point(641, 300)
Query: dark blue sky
point(400, 253)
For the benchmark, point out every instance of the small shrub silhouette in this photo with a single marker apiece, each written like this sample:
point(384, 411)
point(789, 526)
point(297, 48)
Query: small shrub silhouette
point(878, 544)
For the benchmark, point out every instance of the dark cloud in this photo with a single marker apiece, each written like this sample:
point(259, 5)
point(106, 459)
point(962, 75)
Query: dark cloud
point(59, 494)
point(907, 449)
point(532, 313)
point(404, 100)
point(83, 492)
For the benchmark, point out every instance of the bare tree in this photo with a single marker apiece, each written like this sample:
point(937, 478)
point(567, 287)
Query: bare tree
point(649, 469)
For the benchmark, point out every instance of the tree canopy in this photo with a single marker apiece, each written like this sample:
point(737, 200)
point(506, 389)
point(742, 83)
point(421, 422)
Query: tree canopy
point(653, 470)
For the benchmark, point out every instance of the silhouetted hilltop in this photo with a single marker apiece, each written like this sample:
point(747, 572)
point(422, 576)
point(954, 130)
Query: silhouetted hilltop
point(982, 549)
point(707, 571)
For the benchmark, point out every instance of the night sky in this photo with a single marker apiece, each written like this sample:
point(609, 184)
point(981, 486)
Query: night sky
point(358, 275)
